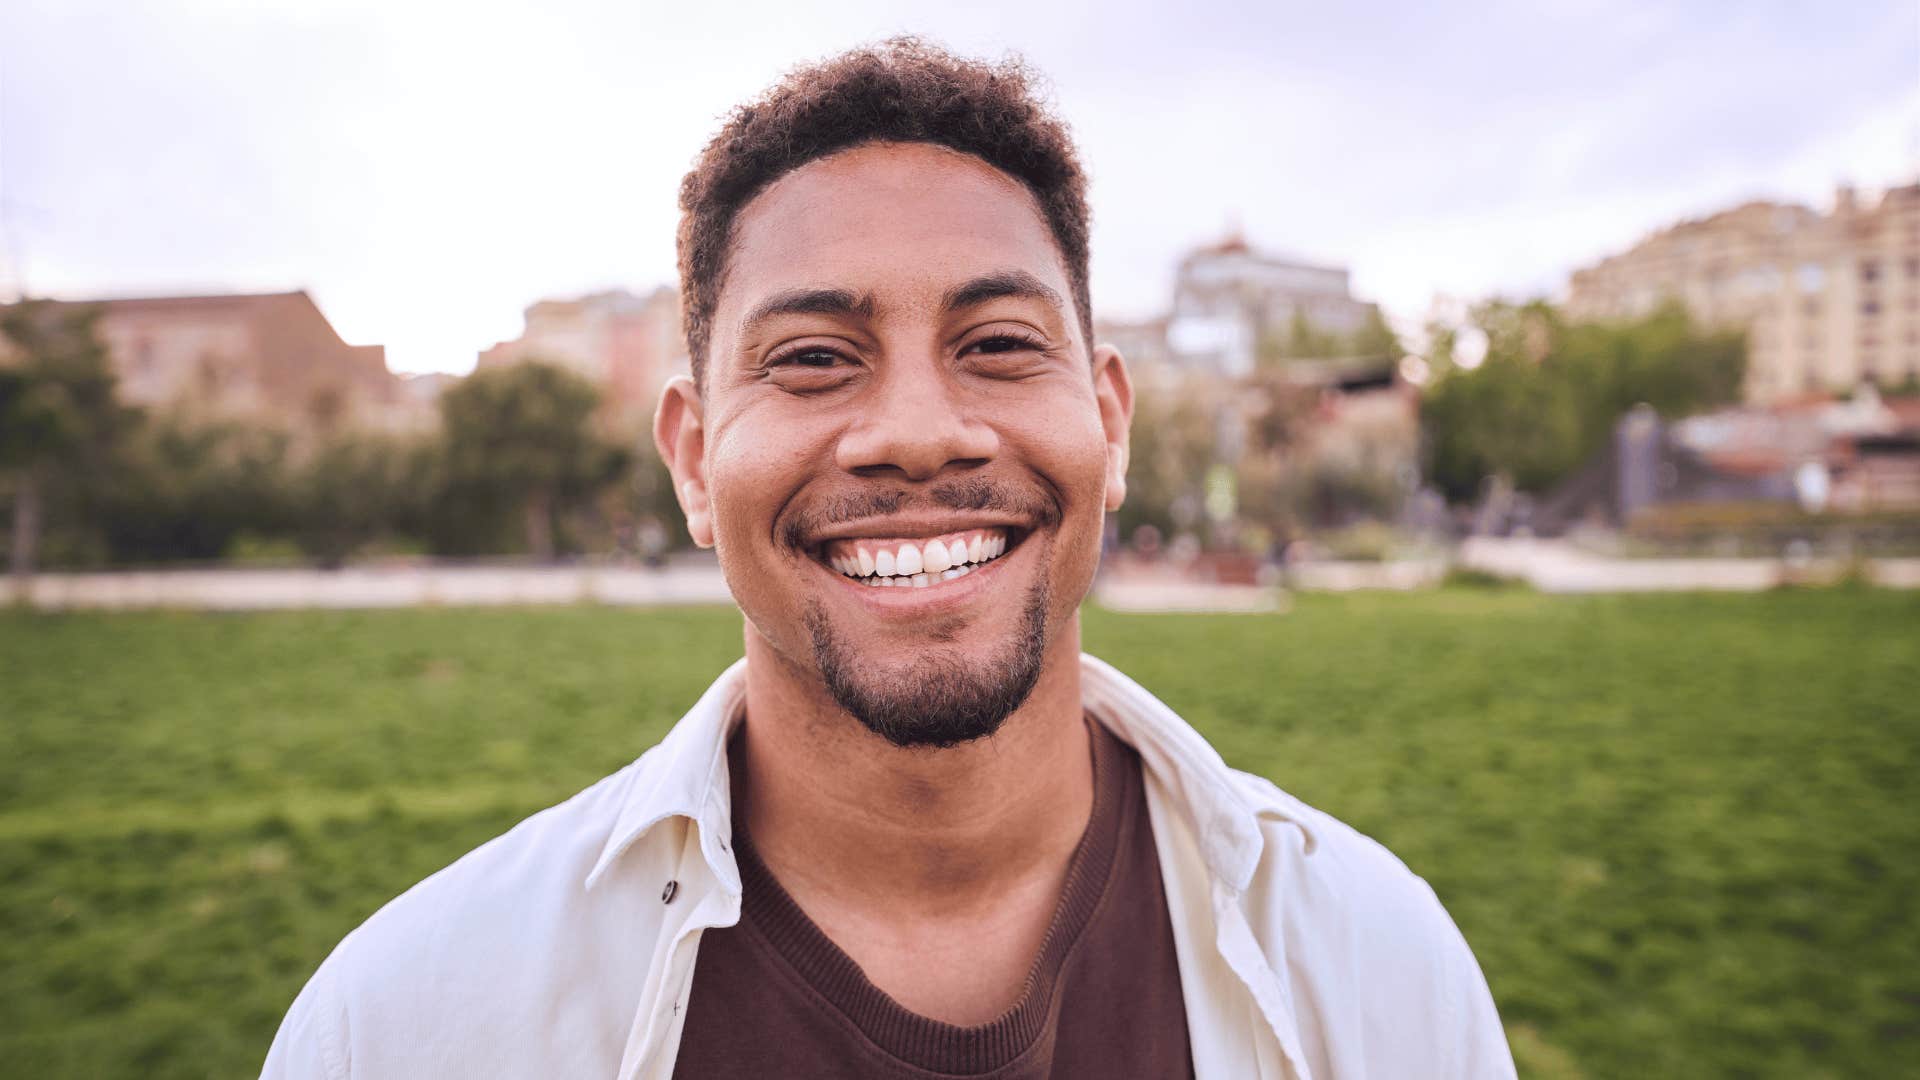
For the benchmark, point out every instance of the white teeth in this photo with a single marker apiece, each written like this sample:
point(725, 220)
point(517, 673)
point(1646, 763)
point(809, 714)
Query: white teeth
point(907, 563)
point(936, 557)
point(919, 564)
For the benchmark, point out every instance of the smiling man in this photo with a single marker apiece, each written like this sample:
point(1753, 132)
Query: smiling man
point(915, 832)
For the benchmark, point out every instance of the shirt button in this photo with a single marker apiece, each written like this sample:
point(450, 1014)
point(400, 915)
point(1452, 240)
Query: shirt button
point(666, 895)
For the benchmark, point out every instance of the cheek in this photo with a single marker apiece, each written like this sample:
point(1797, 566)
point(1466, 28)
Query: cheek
point(751, 471)
point(1070, 448)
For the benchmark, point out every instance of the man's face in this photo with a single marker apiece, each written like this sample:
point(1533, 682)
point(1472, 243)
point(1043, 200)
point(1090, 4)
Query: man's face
point(905, 450)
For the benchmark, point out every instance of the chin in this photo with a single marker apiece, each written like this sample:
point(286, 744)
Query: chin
point(943, 696)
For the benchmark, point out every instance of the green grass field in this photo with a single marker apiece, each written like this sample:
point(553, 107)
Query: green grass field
point(1681, 832)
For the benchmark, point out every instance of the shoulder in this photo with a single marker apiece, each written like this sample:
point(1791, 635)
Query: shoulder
point(478, 948)
point(1372, 956)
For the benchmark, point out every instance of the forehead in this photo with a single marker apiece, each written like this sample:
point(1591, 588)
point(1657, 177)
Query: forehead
point(892, 220)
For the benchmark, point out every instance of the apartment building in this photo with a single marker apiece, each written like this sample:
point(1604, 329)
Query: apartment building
point(1828, 301)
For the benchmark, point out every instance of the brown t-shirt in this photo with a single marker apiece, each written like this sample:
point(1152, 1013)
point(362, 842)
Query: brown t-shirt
point(773, 997)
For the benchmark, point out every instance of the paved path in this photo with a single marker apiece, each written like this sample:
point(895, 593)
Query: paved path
point(409, 586)
point(1549, 565)
point(1556, 566)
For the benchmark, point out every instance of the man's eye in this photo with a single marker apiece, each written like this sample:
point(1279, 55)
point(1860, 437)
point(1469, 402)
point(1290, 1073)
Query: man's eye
point(1004, 343)
point(807, 358)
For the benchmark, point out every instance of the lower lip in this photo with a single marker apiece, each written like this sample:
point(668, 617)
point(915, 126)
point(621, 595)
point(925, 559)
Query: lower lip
point(900, 600)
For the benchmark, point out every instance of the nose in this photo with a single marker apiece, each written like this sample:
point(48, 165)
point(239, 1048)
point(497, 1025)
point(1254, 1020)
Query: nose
point(917, 423)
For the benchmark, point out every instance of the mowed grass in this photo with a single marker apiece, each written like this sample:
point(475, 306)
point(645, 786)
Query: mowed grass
point(1682, 833)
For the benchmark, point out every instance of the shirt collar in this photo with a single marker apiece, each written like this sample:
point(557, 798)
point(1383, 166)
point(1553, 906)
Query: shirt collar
point(1223, 807)
point(686, 776)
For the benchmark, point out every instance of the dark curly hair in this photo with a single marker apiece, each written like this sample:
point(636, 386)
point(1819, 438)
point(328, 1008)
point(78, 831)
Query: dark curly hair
point(901, 90)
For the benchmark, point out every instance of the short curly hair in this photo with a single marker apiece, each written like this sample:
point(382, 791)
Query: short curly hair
point(900, 90)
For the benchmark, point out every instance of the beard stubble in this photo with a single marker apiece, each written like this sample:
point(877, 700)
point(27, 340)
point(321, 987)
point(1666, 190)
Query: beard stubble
point(936, 703)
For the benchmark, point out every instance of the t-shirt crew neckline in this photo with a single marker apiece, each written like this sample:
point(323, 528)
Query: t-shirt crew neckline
point(921, 1041)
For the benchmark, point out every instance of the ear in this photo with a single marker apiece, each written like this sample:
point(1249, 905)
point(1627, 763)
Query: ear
point(1113, 388)
point(682, 443)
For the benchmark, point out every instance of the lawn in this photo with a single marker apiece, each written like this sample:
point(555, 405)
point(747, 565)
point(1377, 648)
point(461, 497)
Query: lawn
point(1679, 831)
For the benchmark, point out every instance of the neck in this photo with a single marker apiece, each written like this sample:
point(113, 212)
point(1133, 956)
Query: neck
point(834, 809)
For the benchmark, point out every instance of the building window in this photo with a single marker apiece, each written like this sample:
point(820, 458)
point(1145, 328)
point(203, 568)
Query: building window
point(1812, 276)
point(1870, 306)
point(1810, 307)
point(1869, 270)
point(1913, 266)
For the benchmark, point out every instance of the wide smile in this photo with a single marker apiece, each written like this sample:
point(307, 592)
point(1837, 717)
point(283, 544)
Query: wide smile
point(927, 562)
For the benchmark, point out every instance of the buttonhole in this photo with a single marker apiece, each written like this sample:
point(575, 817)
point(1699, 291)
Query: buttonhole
point(666, 894)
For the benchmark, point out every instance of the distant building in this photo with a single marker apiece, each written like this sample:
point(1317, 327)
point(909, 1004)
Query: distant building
point(627, 345)
point(1230, 299)
point(1827, 301)
point(1857, 456)
point(267, 358)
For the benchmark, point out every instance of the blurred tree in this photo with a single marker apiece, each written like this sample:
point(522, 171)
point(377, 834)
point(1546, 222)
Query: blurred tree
point(1303, 340)
point(59, 417)
point(182, 489)
point(1375, 339)
point(1171, 445)
point(1548, 393)
point(518, 438)
point(358, 488)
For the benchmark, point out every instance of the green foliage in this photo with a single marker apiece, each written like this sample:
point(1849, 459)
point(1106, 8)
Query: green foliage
point(1170, 448)
point(518, 440)
point(360, 488)
point(1549, 392)
point(1677, 830)
point(184, 490)
point(59, 418)
point(1303, 340)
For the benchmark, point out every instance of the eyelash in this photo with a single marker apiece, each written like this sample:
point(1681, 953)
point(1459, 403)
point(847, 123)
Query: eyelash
point(793, 357)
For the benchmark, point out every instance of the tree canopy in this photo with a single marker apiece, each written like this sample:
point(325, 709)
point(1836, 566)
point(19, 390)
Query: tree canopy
point(1549, 391)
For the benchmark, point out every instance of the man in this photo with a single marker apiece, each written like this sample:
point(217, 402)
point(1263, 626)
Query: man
point(914, 832)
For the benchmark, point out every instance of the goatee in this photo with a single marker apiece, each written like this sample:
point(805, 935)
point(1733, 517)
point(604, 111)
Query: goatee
point(935, 702)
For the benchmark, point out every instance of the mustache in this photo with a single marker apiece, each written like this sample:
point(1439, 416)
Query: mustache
point(967, 494)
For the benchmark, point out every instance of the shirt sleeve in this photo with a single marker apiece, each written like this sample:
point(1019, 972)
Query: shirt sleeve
point(311, 1043)
point(1477, 1044)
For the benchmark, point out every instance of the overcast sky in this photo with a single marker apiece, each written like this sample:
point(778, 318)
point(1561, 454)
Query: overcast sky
point(427, 170)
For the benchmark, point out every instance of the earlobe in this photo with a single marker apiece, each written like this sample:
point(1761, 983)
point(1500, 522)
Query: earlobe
point(682, 441)
point(1113, 388)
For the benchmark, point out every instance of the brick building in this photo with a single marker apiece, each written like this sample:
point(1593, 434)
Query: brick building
point(269, 358)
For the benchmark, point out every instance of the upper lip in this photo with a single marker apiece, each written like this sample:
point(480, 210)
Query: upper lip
point(911, 527)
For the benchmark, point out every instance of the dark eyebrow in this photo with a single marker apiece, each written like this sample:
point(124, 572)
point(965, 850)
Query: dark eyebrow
point(810, 302)
point(995, 286)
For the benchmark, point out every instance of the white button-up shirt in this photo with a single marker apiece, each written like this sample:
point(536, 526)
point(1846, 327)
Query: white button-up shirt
point(565, 948)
